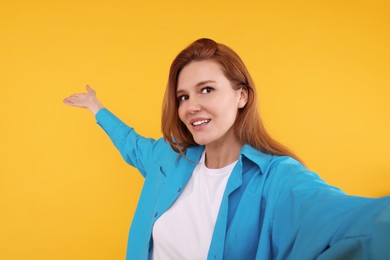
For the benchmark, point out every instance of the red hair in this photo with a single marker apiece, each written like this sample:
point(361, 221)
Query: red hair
point(248, 127)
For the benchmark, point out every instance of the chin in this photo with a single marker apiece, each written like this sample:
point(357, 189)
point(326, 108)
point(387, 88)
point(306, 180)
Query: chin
point(200, 141)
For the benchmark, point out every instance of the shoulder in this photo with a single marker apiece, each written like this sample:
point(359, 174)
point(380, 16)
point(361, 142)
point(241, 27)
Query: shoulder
point(283, 172)
point(273, 164)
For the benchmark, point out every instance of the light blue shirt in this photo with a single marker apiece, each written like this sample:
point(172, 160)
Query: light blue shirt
point(272, 208)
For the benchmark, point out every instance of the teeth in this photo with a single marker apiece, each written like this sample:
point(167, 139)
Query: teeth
point(200, 122)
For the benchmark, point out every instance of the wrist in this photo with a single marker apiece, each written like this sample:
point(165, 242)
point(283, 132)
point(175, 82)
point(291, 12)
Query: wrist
point(95, 107)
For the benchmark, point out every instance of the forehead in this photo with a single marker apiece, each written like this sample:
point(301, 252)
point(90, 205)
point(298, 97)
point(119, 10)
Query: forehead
point(200, 71)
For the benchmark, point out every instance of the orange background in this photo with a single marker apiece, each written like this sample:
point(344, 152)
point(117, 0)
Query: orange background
point(321, 68)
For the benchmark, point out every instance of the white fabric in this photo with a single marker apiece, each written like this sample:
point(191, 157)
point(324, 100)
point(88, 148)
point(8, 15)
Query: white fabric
point(185, 230)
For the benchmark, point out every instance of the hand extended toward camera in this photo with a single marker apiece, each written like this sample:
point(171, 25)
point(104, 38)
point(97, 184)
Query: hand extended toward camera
point(85, 100)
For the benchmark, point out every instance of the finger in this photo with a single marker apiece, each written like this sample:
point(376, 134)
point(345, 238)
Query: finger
point(68, 101)
point(72, 102)
point(90, 90)
point(74, 96)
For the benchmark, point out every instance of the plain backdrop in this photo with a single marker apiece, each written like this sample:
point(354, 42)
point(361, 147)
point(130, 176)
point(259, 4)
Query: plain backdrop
point(321, 69)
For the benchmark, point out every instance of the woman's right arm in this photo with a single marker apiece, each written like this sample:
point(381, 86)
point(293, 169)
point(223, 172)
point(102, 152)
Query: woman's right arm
point(135, 149)
point(85, 100)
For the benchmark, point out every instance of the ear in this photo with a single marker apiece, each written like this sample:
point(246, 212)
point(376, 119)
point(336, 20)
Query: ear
point(243, 97)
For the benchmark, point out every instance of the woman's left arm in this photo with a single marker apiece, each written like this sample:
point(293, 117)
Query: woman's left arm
point(315, 220)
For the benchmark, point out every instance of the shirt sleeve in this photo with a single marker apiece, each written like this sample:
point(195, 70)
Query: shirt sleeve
point(313, 220)
point(135, 149)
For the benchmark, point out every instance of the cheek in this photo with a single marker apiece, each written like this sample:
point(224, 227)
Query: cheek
point(228, 107)
point(229, 115)
point(180, 112)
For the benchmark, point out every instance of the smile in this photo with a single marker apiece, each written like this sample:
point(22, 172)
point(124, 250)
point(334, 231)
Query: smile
point(201, 122)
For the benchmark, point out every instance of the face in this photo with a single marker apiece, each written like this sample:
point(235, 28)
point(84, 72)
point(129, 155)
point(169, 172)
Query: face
point(208, 103)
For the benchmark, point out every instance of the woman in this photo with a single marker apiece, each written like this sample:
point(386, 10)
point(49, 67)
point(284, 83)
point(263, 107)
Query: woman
point(218, 187)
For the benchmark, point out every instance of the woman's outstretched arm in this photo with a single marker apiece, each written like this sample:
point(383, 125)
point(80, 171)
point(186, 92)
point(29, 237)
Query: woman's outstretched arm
point(85, 100)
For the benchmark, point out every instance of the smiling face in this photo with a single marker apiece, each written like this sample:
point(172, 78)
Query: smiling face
point(208, 103)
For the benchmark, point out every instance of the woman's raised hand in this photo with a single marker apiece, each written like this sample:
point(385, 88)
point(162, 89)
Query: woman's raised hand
point(85, 100)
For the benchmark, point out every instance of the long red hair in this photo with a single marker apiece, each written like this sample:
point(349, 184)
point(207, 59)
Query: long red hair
point(248, 127)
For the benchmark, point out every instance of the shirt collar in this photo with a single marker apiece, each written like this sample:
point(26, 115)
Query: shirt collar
point(258, 157)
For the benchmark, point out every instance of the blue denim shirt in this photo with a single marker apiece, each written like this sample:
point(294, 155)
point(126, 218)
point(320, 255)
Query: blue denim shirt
point(272, 208)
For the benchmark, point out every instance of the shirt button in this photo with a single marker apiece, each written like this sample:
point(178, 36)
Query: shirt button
point(155, 214)
point(179, 190)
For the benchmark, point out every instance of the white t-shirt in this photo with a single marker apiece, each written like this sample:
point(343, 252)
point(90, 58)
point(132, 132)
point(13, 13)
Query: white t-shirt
point(185, 230)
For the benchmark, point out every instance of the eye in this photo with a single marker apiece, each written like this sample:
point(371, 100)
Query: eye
point(182, 98)
point(207, 90)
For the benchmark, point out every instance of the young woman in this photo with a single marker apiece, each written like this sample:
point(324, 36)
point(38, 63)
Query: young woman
point(217, 186)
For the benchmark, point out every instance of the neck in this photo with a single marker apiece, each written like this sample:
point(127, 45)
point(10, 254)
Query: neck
point(222, 154)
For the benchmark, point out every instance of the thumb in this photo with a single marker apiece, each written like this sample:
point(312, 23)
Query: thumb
point(90, 90)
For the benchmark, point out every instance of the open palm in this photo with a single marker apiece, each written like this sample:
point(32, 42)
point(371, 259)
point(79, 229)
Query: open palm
point(83, 100)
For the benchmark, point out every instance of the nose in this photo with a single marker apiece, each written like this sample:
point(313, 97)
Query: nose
point(193, 105)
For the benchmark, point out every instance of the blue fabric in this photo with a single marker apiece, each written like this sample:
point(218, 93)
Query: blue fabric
point(272, 208)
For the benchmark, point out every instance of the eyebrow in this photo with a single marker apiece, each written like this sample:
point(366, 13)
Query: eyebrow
point(180, 91)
